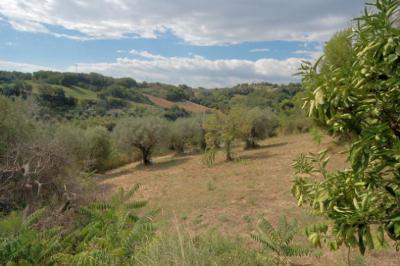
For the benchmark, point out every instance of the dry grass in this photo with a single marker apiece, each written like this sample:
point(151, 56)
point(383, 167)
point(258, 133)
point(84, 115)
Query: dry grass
point(229, 196)
point(187, 105)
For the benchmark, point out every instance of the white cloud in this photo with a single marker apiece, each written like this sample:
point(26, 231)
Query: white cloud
point(259, 50)
point(310, 54)
point(193, 70)
point(21, 67)
point(196, 70)
point(206, 22)
point(145, 54)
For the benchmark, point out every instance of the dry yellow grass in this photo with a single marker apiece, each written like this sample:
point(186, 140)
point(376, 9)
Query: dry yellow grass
point(187, 105)
point(230, 196)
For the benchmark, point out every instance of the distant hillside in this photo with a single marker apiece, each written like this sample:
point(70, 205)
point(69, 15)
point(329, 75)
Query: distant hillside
point(77, 95)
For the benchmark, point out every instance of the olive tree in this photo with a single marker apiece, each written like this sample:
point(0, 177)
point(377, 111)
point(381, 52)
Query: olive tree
point(186, 133)
point(360, 203)
point(224, 129)
point(262, 123)
point(142, 134)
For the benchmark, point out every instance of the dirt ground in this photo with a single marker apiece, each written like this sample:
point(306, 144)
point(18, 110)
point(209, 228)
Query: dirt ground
point(231, 197)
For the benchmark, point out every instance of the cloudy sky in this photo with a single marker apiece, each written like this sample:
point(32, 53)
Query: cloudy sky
point(209, 43)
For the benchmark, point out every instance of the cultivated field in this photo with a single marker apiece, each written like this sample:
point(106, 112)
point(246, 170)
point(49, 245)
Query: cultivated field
point(187, 105)
point(231, 196)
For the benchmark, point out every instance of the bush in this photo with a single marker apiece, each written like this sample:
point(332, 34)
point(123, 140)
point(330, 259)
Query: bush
point(98, 142)
point(33, 166)
point(54, 98)
point(176, 112)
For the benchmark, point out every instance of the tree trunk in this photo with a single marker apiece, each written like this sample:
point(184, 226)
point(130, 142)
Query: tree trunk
point(146, 156)
point(250, 144)
point(228, 150)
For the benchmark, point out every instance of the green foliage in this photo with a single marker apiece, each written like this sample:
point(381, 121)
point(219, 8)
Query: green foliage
point(186, 133)
point(262, 124)
point(124, 93)
point(54, 97)
point(361, 203)
point(211, 248)
point(107, 234)
point(17, 89)
point(224, 129)
point(316, 135)
point(176, 112)
point(21, 244)
point(292, 118)
point(112, 233)
point(142, 134)
point(277, 242)
point(339, 52)
point(98, 143)
point(178, 94)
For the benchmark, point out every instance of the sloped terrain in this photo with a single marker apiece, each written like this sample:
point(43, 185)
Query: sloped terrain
point(187, 105)
point(231, 196)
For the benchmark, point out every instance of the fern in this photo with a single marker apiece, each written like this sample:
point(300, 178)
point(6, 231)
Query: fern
point(278, 241)
point(113, 233)
point(106, 234)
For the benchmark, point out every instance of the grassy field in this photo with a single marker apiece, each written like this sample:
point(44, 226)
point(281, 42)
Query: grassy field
point(76, 92)
point(230, 197)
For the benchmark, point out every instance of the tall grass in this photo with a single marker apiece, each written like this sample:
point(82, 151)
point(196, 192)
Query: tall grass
point(211, 248)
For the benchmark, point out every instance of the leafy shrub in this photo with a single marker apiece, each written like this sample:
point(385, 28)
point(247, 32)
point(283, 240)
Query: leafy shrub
point(176, 112)
point(99, 148)
point(54, 97)
point(360, 203)
point(106, 234)
point(277, 242)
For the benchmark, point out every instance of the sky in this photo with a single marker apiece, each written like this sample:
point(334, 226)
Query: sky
point(207, 43)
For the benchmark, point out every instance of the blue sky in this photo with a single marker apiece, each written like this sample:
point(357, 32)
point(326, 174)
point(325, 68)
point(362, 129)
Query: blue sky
point(213, 44)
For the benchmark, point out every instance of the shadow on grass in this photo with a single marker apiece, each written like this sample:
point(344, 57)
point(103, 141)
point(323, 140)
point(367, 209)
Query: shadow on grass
point(280, 144)
point(163, 165)
point(121, 172)
point(262, 151)
point(255, 156)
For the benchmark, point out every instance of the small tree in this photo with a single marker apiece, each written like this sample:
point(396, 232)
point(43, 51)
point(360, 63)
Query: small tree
point(99, 148)
point(143, 134)
point(224, 129)
point(262, 124)
point(185, 132)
